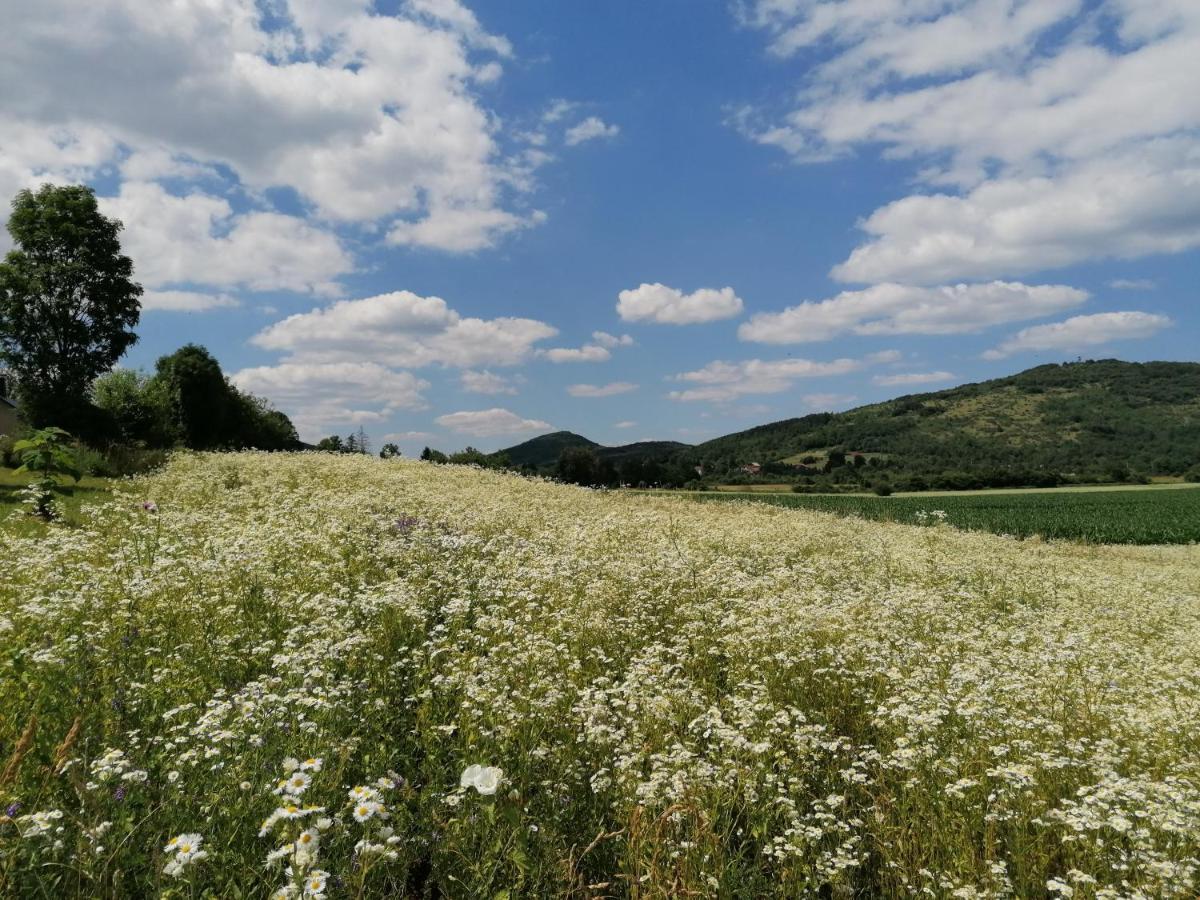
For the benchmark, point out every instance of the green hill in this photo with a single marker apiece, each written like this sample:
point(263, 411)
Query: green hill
point(1074, 419)
point(543, 451)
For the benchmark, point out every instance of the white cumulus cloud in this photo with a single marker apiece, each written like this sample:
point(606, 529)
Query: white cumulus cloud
point(670, 306)
point(369, 117)
point(485, 382)
point(405, 330)
point(1081, 331)
point(1098, 153)
point(604, 339)
point(599, 350)
point(197, 239)
point(586, 353)
point(590, 129)
point(401, 436)
point(321, 396)
point(601, 390)
point(1125, 205)
point(490, 422)
point(722, 381)
point(904, 309)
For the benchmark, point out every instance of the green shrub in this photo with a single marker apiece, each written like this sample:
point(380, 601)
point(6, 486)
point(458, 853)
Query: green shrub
point(122, 460)
point(89, 461)
point(8, 457)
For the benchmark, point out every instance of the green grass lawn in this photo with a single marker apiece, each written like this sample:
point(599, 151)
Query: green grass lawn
point(1145, 514)
point(86, 491)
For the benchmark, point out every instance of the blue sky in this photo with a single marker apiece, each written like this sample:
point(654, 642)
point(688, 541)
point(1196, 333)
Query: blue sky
point(457, 223)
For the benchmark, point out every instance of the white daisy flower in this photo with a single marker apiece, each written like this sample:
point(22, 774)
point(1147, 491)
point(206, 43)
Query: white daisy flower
point(367, 809)
point(314, 883)
point(188, 845)
point(298, 783)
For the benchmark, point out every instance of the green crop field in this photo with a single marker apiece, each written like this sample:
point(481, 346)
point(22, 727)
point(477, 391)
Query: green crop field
point(1131, 516)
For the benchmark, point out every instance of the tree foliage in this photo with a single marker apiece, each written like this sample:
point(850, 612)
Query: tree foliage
point(68, 303)
point(189, 402)
point(355, 442)
point(136, 406)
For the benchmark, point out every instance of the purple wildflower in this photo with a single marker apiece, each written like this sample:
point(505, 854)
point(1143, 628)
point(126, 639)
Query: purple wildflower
point(405, 524)
point(13, 809)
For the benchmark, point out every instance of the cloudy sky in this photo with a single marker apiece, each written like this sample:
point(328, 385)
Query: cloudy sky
point(458, 223)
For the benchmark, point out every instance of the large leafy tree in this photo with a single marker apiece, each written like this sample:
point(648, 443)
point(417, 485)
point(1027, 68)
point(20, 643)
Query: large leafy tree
point(202, 403)
point(68, 303)
point(204, 411)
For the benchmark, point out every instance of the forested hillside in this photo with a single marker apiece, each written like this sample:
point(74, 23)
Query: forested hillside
point(1077, 418)
point(1103, 420)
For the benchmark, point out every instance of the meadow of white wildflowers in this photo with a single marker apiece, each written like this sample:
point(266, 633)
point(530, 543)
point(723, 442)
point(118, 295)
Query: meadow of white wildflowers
point(329, 676)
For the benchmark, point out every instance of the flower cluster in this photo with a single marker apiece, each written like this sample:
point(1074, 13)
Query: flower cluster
point(40, 823)
point(185, 850)
point(298, 828)
point(368, 809)
point(114, 767)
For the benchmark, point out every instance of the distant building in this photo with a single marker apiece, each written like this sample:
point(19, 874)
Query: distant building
point(752, 468)
point(8, 406)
